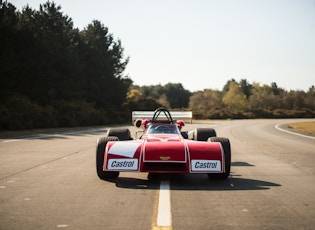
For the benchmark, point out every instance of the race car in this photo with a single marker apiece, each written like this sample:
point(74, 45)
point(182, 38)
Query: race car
point(163, 148)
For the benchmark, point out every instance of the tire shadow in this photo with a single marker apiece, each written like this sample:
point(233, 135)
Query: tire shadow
point(198, 182)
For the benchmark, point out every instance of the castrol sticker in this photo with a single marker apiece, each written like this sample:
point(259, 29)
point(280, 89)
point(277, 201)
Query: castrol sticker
point(122, 164)
point(206, 165)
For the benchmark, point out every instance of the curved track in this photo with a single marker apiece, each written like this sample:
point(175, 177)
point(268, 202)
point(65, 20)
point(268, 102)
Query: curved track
point(49, 182)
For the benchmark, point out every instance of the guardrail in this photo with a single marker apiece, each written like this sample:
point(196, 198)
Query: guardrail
point(176, 115)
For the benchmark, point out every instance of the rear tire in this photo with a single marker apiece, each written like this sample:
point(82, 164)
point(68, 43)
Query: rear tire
point(202, 134)
point(100, 150)
point(227, 158)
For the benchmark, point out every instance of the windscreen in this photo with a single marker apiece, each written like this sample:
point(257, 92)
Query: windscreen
point(163, 128)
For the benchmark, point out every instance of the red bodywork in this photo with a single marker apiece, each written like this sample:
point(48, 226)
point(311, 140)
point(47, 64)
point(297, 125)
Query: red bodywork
point(164, 153)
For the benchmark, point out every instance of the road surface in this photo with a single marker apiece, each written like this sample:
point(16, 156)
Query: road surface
point(50, 182)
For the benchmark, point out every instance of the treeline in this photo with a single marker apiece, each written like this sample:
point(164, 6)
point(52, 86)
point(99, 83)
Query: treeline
point(54, 75)
point(171, 95)
point(236, 100)
point(245, 100)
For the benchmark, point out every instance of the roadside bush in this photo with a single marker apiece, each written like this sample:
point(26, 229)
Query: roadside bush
point(224, 113)
point(18, 112)
point(78, 113)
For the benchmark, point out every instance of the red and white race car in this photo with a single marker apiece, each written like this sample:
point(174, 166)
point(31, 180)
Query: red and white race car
point(163, 148)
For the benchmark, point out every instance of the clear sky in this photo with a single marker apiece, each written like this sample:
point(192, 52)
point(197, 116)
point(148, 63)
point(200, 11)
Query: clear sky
point(204, 43)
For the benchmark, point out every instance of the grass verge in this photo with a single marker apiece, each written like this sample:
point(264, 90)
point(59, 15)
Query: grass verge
point(306, 127)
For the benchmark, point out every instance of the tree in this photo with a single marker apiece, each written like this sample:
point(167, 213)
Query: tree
point(310, 98)
point(134, 95)
point(47, 54)
point(274, 88)
point(8, 53)
point(226, 87)
point(104, 66)
point(154, 91)
point(295, 100)
point(235, 99)
point(246, 87)
point(171, 95)
point(176, 95)
point(205, 100)
point(136, 101)
point(206, 104)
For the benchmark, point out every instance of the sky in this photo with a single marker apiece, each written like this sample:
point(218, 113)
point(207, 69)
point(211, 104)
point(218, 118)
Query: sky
point(204, 43)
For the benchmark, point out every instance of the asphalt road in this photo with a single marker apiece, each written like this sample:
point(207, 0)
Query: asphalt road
point(50, 182)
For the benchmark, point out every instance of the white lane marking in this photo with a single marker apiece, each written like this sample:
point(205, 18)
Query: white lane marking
point(298, 134)
point(164, 206)
point(62, 225)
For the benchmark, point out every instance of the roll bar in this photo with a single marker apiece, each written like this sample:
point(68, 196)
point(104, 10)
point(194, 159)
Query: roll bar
point(157, 113)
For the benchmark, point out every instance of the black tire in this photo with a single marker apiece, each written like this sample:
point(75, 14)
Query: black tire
point(202, 134)
point(100, 149)
point(184, 135)
point(122, 133)
point(227, 158)
point(137, 123)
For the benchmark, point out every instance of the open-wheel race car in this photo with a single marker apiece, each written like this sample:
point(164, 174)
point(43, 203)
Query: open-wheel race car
point(163, 148)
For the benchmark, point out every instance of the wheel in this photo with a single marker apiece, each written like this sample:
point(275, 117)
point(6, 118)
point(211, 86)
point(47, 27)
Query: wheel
point(184, 135)
point(202, 134)
point(122, 134)
point(101, 144)
point(227, 158)
point(137, 123)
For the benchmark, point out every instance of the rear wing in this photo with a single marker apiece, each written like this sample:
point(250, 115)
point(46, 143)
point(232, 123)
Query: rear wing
point(176, 115)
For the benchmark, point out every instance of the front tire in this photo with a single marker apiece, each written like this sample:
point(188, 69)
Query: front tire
point(122, 133)
point(100, 150)
point(227, 158)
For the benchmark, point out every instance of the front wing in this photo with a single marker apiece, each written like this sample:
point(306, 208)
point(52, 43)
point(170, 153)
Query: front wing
point(185, 157)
